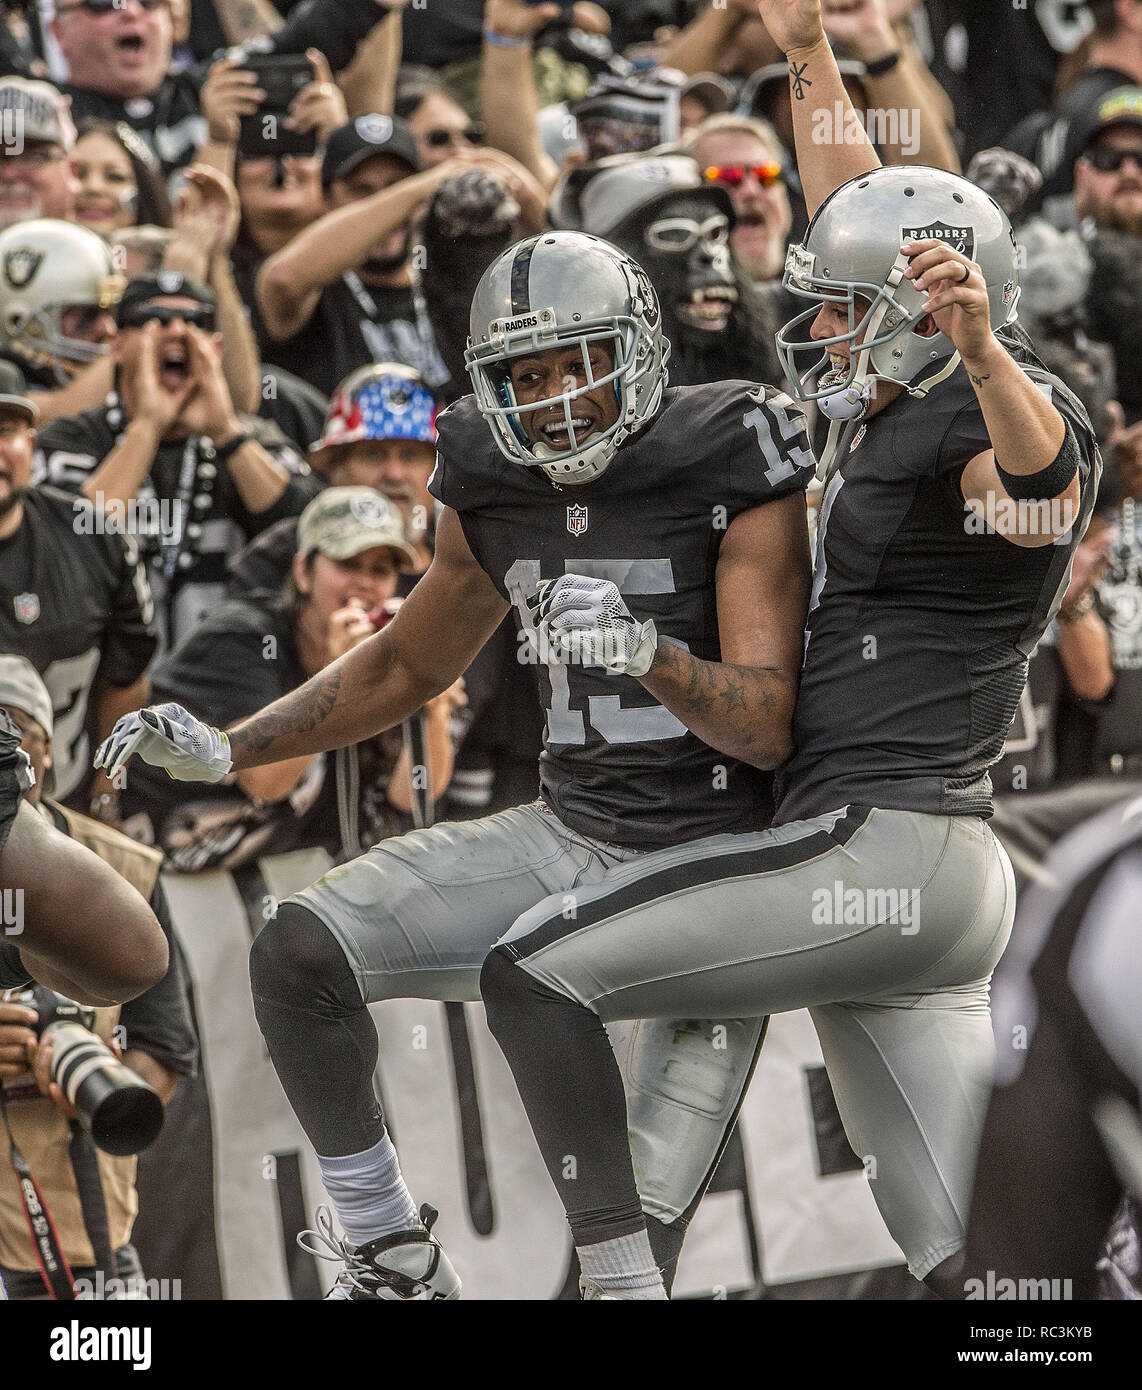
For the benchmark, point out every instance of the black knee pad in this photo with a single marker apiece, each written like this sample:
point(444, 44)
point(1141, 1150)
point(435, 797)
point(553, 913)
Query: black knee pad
point(508, 991)
point(296, 961)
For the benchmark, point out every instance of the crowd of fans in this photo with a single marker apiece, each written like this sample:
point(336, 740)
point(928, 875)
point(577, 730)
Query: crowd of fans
point(238, 244)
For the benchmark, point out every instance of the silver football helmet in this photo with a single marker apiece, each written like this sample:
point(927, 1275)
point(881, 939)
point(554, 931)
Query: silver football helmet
point(47, 267)
point(556, 290)
point(852, 248)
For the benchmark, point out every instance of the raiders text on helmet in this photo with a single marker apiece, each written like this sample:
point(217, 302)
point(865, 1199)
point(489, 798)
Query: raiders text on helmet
point(557, 290)
point(852, 248)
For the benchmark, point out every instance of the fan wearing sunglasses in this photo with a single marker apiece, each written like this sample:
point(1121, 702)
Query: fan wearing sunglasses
point(743, 156)
point(439, 124)
point(118, 55)
point(171, 431)
point(1108, 174)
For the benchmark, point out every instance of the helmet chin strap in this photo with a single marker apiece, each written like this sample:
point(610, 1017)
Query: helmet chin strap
point(852, 401)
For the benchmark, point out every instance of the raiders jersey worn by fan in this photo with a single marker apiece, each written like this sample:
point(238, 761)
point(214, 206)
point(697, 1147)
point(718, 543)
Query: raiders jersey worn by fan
point(74, 600)
point(616, 765)
point(902, 568)
point(188, 517)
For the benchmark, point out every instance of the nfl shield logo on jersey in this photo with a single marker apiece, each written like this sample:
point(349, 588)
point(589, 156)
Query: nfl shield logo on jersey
point(577, 519)
point(27, 607)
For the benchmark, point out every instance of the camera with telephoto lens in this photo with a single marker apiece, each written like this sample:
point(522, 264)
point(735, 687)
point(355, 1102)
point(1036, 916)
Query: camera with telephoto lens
point(115, 1105)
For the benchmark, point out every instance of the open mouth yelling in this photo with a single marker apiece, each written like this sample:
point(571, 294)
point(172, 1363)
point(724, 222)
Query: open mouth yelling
point(174, 367)
point(708, 308)
point(130, 45)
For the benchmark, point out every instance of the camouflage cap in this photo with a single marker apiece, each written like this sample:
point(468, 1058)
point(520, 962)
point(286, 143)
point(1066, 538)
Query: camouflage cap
point(344, 521)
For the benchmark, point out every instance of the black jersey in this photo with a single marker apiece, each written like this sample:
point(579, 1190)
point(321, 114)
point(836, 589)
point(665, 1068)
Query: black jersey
point(616, 765)
point(188, 516)
point(922, 620)
point(74, 600)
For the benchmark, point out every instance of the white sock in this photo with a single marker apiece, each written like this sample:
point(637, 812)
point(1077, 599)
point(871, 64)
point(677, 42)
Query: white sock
point(623, 1267)
point(369, 1194)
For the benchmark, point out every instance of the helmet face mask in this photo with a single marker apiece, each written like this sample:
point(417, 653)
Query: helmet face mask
point(852, 248)
point(578, 273)
point(46, 268)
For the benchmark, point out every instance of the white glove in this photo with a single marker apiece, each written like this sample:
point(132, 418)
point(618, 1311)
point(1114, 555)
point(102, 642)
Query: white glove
point(585, 621)
point(167, 736)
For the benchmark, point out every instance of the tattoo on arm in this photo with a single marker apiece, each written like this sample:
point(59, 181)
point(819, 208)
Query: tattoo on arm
point(979, 380)
point(306, 708)
point(717, 687)
point(799, 80)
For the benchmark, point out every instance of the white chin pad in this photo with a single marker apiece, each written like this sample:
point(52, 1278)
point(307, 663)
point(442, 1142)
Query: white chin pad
point(849, 404)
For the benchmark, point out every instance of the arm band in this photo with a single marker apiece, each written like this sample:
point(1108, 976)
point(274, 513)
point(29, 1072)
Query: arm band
point(1049, 481)
point(883, 65)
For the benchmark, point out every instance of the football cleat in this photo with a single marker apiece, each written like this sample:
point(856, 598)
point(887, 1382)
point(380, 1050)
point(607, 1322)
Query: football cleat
point(404, 1265)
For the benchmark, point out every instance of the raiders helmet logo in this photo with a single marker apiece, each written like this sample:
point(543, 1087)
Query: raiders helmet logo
point(374, 128)
point(370, 511)
point(577, 519)
point(961, 239)
point(20, 265)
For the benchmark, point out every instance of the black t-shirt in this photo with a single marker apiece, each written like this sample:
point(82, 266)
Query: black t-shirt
point(169, 120)
point(74, 600)
point(437, 39)
point(922, 621)
point(189, 518)
point(351, 326)
point(617, 765)
point(1011, 60)
point(240, 659)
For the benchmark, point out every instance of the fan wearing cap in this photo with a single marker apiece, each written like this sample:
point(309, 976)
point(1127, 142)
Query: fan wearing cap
point(351, 553)
point(1108, 172)
point(167, 452)
point(343, 291)
point(379, 433)
point(37, 177)
point(162, 1043)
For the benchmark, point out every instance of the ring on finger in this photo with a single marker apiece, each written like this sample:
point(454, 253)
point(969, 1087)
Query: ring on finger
point(965, 277)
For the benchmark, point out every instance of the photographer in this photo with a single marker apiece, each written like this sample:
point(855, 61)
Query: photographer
point(93, 1231)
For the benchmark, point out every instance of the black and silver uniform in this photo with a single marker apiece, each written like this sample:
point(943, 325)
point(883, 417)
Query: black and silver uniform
point(617, 765)
point(921, 620)
point(74, 600)
point(1065, 1113)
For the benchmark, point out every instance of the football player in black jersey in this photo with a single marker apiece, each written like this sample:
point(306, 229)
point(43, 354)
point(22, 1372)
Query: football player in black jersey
point(678, 512)
point(960, 478)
